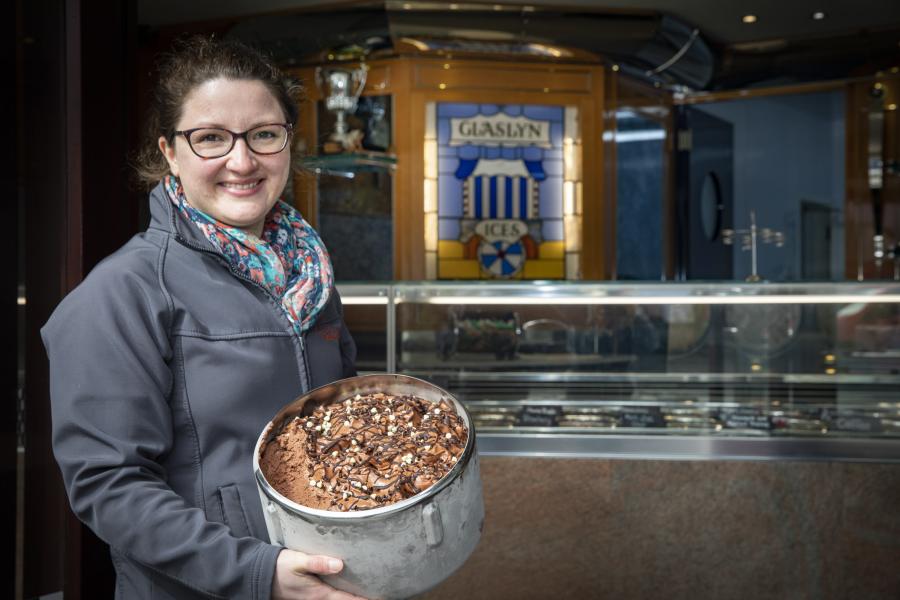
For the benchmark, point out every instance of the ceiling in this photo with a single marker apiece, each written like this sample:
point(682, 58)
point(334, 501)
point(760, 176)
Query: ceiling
point(718, 20)
point(785, 43)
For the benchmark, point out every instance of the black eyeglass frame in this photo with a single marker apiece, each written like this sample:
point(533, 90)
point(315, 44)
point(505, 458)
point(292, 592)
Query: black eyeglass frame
point(235, 136)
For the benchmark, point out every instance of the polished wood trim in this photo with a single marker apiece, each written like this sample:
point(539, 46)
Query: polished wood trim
point(378, 80)
point(779, 90)
point(859, 222)
point(409, 214)
point(595, 220)
point(609, 166)
point(470, 76)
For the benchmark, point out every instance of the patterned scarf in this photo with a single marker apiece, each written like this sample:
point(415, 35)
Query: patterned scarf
point(289, 260)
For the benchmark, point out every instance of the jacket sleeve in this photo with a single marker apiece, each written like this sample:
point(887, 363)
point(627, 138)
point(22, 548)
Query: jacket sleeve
point(110, 381)
point(348, 346)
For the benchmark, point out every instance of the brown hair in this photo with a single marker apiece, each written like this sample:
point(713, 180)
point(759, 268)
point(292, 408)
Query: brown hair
point(192, 62)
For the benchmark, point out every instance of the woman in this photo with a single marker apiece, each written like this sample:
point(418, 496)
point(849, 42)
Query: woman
point(172, 355)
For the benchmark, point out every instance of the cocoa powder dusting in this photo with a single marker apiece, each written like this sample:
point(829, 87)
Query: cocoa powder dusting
point(364, 452)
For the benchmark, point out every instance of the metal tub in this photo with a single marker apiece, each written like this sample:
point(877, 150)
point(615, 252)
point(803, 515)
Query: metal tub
point(395, 551)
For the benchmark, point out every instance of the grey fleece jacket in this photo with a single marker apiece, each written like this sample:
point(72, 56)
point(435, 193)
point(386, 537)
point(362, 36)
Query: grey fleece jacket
point(165, 365)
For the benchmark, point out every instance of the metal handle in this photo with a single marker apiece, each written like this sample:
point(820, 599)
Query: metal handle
point(275, 520)
point(434, 529)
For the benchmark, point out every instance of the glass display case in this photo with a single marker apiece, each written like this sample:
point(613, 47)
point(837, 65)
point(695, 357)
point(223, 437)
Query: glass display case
point(650, 370)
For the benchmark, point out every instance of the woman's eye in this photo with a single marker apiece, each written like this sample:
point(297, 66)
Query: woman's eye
point(265, 134)
point(208, 137)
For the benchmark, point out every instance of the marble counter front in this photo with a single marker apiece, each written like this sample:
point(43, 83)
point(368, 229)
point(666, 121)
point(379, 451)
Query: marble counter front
point(599, 528)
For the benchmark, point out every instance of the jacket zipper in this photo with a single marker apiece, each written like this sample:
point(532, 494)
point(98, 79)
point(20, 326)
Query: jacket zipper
point(275, 301)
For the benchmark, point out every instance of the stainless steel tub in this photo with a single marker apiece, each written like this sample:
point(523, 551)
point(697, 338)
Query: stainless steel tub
point(395, 551)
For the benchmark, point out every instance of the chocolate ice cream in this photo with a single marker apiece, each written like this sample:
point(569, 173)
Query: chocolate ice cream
point(364, 452)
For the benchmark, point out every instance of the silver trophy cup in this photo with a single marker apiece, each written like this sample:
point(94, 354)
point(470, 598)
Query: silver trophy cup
point(341, 89)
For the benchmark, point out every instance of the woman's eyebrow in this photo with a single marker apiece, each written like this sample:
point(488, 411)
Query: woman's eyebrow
point(216, 125)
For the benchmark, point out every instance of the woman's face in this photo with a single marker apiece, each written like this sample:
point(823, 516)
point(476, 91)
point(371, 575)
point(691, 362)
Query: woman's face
point(241, 187)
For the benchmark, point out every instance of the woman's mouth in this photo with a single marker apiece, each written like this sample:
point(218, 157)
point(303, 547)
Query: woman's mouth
point(242, 186)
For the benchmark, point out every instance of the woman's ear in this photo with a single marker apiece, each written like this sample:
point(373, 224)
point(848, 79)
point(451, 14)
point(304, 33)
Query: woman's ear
point(168, 150)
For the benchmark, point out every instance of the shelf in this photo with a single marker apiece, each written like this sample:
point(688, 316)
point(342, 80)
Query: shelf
point(349, 164)
point(697, 447)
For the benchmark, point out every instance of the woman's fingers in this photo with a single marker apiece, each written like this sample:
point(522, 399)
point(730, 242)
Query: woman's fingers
point(295, 577)
point(311, 563)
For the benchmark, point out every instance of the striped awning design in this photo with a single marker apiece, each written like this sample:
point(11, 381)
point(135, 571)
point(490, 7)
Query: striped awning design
point(500, 197)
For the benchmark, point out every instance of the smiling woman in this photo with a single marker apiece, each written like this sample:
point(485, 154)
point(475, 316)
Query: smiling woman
point(225, 175)
point(167, 361)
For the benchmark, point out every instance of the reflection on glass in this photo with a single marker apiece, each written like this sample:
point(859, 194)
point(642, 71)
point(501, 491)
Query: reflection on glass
point(711, 207)
point(355, 193)
point(640, 181)
point(355, 222)
point(802, 360)
point(789, 168)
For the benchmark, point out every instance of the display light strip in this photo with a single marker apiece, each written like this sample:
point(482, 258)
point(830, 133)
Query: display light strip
point(644, 300)
point(365, 300)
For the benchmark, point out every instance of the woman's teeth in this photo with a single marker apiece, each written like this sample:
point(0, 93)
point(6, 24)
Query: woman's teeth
point(241, 186)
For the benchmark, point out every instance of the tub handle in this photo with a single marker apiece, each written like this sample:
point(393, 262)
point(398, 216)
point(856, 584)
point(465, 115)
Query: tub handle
point(276, 523)
point(434, 530)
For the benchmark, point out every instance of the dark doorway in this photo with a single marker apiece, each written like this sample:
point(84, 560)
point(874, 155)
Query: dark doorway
point(705, 191)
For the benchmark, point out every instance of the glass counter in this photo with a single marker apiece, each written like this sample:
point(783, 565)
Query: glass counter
point(753, 371)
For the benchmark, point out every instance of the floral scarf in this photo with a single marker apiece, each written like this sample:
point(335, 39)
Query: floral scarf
point(289, 260)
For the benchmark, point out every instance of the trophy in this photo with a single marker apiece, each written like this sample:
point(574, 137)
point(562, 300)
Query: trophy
point(341, 89)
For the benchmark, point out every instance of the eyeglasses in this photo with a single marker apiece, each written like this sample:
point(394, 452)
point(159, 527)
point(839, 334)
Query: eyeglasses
point(211, 142)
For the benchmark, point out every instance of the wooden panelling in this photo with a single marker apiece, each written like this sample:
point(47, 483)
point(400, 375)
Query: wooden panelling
point(414, 82)
point(469, 76)
point(409, 213)
point(859, 216)
point(378, 80)
point(608, 164)
point(803, 88)
point(595, 218)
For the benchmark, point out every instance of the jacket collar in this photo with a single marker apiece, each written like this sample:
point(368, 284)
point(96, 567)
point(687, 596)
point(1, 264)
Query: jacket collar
point(164, 216)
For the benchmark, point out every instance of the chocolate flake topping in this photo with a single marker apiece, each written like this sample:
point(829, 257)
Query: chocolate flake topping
point(374, 450)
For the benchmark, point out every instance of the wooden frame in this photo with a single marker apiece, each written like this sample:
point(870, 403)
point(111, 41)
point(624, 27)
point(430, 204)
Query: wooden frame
point(627, 92)
point(414, 81)
point(859, 260)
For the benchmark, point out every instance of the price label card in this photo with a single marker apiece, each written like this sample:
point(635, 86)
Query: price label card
point(539, 416)
point(745, 418)
point(642, 416)
point(855, 421)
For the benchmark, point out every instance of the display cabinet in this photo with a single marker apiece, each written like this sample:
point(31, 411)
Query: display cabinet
point(650, 370)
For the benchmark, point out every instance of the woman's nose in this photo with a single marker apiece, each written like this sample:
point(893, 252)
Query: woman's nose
point(241, 158)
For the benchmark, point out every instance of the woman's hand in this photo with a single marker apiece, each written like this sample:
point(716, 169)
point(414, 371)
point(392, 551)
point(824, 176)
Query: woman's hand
point(295, 577)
